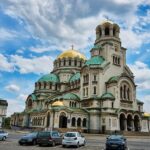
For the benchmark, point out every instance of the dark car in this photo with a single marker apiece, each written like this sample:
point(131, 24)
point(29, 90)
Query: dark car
point(49, 138)
point(116, 142)
point(30, 138)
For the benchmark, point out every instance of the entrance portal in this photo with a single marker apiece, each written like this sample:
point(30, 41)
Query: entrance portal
point(137, 123)
point(62, 120)
point(122, 122)
point(129, 123)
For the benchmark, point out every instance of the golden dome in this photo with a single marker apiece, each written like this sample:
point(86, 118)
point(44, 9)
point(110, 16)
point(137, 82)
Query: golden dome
point(72, 54)
point(146, 114)
point(58, 103)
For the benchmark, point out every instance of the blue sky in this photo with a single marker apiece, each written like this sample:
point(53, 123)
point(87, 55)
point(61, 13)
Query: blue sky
point(34, 32)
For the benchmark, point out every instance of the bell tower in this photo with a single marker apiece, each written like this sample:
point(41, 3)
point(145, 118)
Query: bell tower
point(107, 31)
point(108, 43)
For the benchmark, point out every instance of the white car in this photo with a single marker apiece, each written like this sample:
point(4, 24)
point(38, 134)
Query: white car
point(73, 139)
point(3, 135)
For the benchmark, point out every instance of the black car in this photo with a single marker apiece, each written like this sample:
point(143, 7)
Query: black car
point(30, 138)
point(49, 138)
point(116, 142)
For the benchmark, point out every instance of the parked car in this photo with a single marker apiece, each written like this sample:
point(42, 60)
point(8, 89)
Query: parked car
point(3, 135)
point(49, 138)
point(73, 139)
point(30, 138)
point(116, 142)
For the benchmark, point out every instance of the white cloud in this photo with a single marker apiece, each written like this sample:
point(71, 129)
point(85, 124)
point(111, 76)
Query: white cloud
point(35, 65)
point(14, 105)
point(142, 75)
point(62, 23)
point(5, 65)
point(12, 88)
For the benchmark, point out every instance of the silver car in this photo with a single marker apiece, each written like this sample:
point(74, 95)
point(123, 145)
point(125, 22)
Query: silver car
point(3, 135)
point(73, 139)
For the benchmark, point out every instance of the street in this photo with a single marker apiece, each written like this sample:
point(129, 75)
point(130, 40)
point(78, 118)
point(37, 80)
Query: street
point(96, 142)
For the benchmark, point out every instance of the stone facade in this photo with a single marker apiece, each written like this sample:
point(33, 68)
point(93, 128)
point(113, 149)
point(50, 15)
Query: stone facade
point(94, 95)
point(3, 111)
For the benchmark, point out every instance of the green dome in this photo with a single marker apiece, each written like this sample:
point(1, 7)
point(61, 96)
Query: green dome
point(68, 96)
point(108, 96)
point(75, 77)
point(95, 60)
point(49, 78)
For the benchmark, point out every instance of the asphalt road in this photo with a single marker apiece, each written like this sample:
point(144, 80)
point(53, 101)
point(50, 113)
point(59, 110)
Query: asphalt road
point(96, 142)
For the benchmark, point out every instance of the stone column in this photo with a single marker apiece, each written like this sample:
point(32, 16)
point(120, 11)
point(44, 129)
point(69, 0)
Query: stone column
point(125, 124)
point(103, 31)
point(111, 31)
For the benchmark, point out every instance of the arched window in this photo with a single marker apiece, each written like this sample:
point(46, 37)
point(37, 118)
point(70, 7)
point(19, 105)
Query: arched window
point(64, 62)
point(121, 92)
point(44, 85)
point(94, 92)
point(79, 122)
point(84, 122)
point(39, 85)
point(124, 92)
point(70, 104)
point(69, 62)
point(75, 104)
point(73, 122)
point(50, 86)
point(107, 31)
point(75, 62)
point(114, 32)
point(128, 94)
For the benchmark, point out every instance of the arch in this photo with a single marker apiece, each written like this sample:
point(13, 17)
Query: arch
point(122, 120)
point(137, 123)
point(84, 122)
point(106, 30)
point(70, 104)
point(62, 120)
point(129, 123)
point(75, 62)
point(73, 122)
point(79, 122)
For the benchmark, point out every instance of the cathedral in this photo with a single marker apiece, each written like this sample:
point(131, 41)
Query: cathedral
point(95, 95)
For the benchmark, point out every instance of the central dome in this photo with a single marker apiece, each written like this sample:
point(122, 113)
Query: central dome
point(71, 53)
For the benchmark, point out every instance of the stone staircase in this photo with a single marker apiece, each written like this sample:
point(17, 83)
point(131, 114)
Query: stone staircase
point(134, 133)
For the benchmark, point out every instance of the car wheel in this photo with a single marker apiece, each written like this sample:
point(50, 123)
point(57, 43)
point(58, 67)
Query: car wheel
point(78, 145)
point(63, 145)
point(4, 138)
point(34, 142)
point(53, 143)
point(40, 145)
point(84, 143)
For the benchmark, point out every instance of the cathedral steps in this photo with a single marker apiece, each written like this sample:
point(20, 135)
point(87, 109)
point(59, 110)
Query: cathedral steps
point(134, 133)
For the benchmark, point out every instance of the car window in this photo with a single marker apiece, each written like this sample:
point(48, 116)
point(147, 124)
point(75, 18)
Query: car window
point(70, 135)
point(43, 134)
point(55, 134)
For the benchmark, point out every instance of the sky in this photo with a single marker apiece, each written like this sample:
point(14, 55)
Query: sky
point(34, 32)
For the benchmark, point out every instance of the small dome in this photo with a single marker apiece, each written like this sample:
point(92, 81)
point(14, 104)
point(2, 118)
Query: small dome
point(146, 114)
point(106, 21)
point(72, 54)
point(75, 77)
point(58, 103)
point(49, 78)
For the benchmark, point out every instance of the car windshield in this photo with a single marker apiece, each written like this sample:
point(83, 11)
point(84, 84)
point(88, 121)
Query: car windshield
point(32, 134)
point(115, 138)
point(43, 134)
point(70, 135)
